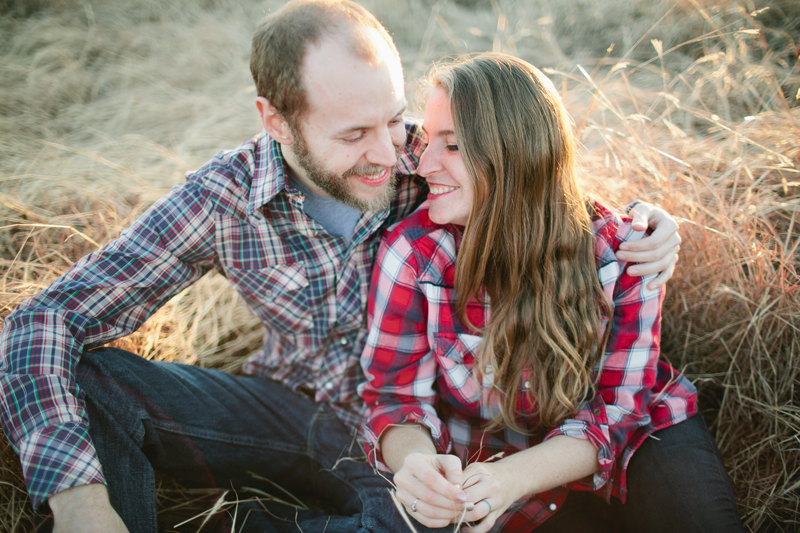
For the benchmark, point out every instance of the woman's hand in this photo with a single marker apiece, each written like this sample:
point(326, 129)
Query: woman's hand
point(491, 488)
point(428, 486)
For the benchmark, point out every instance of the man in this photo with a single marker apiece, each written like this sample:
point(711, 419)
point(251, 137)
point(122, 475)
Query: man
point(293, 218)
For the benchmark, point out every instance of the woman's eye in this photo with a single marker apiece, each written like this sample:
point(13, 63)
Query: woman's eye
point(452, 148)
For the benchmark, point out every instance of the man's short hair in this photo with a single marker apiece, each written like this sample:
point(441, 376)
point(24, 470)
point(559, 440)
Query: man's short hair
point(283, 37)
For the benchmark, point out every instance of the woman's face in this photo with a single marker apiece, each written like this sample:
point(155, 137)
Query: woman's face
point(450, 199)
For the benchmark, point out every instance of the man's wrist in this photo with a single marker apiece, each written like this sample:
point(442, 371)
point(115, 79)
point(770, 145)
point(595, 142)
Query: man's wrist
point(94, 495)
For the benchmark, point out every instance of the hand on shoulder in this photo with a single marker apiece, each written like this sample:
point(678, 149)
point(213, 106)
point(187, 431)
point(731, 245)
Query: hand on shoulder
point(656, 253)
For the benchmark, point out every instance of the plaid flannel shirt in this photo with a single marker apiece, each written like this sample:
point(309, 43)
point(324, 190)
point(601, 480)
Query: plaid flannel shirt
point(234, 214)
point(419, 356)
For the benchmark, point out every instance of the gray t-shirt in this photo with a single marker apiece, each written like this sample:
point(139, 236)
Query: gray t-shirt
point(337, 219)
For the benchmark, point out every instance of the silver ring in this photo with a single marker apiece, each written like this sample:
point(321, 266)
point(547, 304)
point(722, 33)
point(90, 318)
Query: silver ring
point(414, 506)
point(489, 504)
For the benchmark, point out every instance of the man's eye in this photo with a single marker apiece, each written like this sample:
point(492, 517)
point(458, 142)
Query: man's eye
point(354, 139)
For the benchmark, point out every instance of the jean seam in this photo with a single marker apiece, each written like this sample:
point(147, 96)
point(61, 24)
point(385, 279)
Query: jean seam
point(205, 434)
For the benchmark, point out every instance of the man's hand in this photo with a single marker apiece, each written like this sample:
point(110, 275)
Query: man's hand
point(657, 252)
point(85, 509)
point(429, 487)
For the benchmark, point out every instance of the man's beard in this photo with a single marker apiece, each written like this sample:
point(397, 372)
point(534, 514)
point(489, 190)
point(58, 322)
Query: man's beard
point(339, 186)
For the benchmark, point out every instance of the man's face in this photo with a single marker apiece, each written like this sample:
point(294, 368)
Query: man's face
point(339, 186)
point(347, 142)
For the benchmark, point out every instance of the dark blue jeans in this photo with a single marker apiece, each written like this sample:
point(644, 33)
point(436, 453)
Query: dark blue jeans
point(676, 482)
point(212, 428)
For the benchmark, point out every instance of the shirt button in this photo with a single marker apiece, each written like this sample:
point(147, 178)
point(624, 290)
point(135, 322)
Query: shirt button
point(329, 385)
point(343, 342)
point(527, 384)
point(553, 507)
point(268, 295)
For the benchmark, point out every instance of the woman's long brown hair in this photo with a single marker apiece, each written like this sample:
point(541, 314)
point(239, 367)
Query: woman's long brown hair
point(528, 240)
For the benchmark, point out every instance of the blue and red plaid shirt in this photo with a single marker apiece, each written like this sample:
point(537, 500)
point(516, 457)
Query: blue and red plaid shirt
point(237, 215)
point(419, 356)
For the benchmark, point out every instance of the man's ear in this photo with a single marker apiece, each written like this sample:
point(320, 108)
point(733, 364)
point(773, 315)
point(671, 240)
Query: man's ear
point(273, 122)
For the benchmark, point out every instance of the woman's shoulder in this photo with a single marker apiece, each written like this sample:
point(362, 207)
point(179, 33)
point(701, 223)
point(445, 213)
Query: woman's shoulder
point(417, 228)
point(433, 245)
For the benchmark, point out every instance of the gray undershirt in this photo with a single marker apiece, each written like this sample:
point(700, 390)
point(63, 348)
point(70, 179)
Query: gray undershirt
point(337, 219)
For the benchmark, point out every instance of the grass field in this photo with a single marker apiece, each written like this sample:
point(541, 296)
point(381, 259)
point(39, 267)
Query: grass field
point(690, 104)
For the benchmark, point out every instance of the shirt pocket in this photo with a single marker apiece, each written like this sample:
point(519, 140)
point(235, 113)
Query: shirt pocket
point(276, 294)
point(455, 353)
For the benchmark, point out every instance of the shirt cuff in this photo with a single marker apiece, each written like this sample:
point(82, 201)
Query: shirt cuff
point(591, 424)
point(382, 418)
point(58, 458)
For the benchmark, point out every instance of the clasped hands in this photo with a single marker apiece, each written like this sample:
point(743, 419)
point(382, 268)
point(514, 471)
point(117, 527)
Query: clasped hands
point(437, 492)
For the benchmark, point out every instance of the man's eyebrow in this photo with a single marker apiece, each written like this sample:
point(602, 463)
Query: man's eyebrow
point(352, 129)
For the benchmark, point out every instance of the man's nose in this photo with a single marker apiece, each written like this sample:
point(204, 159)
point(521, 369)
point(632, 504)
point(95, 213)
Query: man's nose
point(383, 151)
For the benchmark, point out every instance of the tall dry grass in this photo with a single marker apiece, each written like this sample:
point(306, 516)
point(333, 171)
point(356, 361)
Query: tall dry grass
point(104, 105)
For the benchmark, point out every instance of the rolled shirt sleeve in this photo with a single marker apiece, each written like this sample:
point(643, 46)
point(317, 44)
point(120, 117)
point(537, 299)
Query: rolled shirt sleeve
point(104, 296)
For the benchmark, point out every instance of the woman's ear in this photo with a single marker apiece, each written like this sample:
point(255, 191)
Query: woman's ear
point(273, 122)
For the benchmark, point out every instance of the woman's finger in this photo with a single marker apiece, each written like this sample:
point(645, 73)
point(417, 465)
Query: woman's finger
point(408, 491)
point(479, 511)
point(428, 514)
point(486, 523)
point(424, 476)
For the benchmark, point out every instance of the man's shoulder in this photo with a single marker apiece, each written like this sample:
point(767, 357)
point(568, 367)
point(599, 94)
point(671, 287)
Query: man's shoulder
point(233, 173)
point(237, 165)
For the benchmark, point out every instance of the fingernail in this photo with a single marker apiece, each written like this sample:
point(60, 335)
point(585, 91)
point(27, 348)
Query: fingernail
point(470, 506)
point(623, 246)
point(462, 497)
point(457, 486)
point(633, 271)
point(621, 256)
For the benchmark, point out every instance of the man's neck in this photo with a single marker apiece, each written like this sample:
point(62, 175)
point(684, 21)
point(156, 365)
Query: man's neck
point(297, 172)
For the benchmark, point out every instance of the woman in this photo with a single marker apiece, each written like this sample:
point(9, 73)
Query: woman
point(560, 383)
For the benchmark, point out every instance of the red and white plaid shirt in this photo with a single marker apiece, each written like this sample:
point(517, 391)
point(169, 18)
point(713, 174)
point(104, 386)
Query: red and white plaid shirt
point(419, 356)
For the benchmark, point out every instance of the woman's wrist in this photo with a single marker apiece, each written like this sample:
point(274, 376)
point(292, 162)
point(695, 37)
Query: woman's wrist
point(549, 464)
point(397, 442)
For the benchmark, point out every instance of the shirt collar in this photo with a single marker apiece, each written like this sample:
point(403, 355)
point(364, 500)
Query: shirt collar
point(269, 175)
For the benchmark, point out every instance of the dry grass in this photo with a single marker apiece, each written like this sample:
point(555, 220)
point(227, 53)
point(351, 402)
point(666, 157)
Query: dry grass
point(104, 105)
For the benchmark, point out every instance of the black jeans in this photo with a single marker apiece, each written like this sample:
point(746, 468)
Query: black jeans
point(677, 483)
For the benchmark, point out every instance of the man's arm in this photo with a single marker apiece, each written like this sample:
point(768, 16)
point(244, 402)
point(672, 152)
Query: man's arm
point(106, 295)
point(85, 509)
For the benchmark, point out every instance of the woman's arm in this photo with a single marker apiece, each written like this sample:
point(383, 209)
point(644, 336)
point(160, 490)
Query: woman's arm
point(493, 487)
